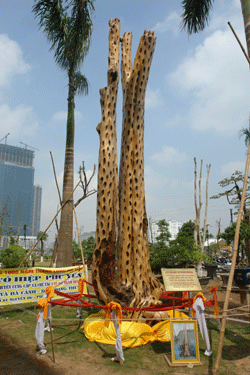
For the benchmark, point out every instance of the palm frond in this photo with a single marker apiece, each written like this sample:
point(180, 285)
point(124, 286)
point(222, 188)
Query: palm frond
point(196, 14)
point(80, 31)
point(69, 34)
point(55, 24)
point(81, 83)
point(246, 133)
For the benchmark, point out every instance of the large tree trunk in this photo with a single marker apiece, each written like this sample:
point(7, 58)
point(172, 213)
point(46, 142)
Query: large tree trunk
point(103, 267)
point(133, 284)
point(65, 234)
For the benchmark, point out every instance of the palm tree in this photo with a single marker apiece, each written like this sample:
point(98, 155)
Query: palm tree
point(68, 28)
point(44, 238)
point(245, 133)
point(196, 16)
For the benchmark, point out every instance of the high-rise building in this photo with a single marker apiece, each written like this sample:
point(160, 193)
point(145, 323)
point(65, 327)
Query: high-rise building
point(36, 213)
point(173, 228)
point(17, 187)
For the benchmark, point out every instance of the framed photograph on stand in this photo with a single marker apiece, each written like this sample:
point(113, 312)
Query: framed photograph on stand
point(184, 342)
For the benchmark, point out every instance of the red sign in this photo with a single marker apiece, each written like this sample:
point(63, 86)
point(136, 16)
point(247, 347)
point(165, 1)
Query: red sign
point(225, 248)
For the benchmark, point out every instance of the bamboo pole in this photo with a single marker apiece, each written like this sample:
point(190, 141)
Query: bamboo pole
point(29, 253)
point(52, 342)
point(173, 304)
point(241, 46)
point(79, 239)
point(231, 275)
point(54, 170)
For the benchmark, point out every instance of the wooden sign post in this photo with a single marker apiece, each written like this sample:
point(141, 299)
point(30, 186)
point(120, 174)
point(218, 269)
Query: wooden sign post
point(182, 280)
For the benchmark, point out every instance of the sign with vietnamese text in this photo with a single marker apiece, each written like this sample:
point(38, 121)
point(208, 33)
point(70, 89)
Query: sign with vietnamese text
point(19, 285)
point(180, 280)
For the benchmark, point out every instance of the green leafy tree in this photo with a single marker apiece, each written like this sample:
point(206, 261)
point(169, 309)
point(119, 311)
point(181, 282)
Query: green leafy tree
point(188, 228)
point(68, 27)
point(87, 249)
point(13, 256)
point(244, 237)
point(163, 230)
point(233, 192)
point(44, 238)
point(183, 252)
point(158, 253)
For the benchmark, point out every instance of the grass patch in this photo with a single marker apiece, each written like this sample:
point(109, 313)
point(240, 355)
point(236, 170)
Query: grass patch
point(70, 342)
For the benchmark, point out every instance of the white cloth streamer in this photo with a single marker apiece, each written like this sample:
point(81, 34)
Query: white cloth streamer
point(199, 309)
point(39, 332)
point(118, 344)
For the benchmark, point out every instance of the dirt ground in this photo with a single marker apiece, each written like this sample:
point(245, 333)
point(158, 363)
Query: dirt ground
point(16, 360)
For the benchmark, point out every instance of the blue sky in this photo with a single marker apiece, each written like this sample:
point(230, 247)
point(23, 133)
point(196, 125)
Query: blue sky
point(198, 99)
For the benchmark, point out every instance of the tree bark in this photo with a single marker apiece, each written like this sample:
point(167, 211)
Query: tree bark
point(103, 267)
point(133, 251)
point(133, 284)
point(245, 6)
point(65, 234)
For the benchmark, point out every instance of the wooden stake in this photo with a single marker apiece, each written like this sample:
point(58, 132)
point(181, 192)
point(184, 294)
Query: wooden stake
point(54, 170)
point(189, 311)
point(231, 275)
point(173, 304)
point(79, 239)
point(241, 46)
point(29, 253)
point(52, 342)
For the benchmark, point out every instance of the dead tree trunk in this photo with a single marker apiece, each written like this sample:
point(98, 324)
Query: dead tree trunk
point(133, 252)
point(205, 218)
point(103, 267)
point(133, 284)
point(197, 235)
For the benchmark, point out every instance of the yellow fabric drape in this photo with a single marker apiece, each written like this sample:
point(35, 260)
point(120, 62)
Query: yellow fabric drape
point(132, 333)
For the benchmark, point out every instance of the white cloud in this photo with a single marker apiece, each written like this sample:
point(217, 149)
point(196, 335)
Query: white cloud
point(11, 60)
point(216, 78)
point(20, 121)
point(62, 116)
point(153, 98)
point(228, 169)
point(169, 155)
point(152, 178)
point(171, 23)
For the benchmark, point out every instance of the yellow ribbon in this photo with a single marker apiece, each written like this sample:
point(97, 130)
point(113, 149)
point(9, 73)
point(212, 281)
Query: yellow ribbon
point(111, 307)
point(213, 290)
point(43, 302)
point(50, 292)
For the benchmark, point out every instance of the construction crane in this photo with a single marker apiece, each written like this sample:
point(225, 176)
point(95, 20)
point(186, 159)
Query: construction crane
point(29, 146)
point(5, 138)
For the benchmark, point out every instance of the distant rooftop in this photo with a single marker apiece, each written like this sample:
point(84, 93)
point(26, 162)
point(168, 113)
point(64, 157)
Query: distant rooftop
point(16, 155)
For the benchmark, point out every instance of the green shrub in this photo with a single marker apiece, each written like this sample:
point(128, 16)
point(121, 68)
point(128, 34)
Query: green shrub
point(12, 256)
